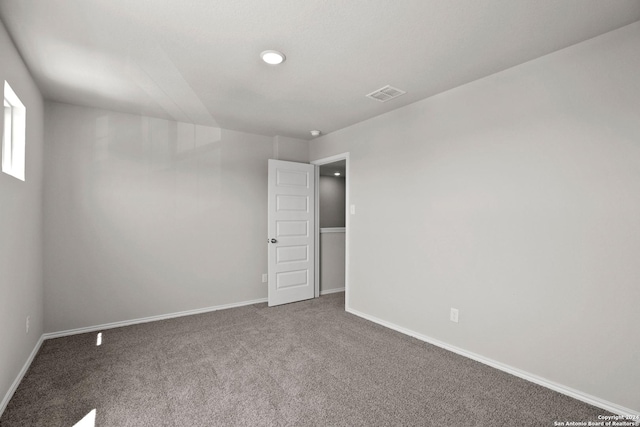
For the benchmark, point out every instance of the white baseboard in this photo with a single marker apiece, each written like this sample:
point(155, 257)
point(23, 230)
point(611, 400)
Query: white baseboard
point(576, 394)
point(112, 325)
point(14, 386)
point(23, 371)
point(332, 291)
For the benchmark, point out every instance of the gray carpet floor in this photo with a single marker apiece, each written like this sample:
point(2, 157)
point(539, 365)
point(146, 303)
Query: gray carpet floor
point(303, 364)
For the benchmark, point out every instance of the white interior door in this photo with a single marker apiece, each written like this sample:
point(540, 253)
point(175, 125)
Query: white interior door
point(291, 217)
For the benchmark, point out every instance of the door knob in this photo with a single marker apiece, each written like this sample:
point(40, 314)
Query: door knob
point(274, 241)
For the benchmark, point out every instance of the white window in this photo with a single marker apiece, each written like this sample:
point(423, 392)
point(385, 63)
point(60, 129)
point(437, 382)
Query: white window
point(14, 134)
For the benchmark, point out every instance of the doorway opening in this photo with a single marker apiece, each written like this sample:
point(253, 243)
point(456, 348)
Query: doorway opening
point(332, 225)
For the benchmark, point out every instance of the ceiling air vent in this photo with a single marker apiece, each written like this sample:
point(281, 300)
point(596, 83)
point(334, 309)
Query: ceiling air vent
point(386, 93)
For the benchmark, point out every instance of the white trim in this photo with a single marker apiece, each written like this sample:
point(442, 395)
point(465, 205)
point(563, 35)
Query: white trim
point(568, 391)
point(331, 159)
point(21, 374)
point(333, 230)
point(149, 319)
point(331, 291)
point(316, 232)
point(50, 335)
point(14, 134)
point(347, 217)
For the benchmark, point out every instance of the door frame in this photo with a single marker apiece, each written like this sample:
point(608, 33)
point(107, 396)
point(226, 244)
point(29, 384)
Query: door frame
point(318, 163)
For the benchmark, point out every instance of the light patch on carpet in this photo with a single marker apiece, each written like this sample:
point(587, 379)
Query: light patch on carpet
point(89, 420)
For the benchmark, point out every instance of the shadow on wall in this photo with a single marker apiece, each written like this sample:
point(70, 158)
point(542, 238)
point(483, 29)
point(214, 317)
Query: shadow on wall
point(160, 159)
point(332, 201)
point(146, 216)
point(332, 232)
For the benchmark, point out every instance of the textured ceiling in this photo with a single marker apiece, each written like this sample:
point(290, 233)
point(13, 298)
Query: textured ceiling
point(198, 61)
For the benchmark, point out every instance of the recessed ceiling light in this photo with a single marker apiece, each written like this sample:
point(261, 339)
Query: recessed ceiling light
point(272, 57)
point(337, 174)
point(315, 132)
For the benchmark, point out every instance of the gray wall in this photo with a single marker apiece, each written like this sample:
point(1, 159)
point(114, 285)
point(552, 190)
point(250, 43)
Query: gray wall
point(20, 229)
point(290, 149)
point(332, 261)
point(332, 199)
point(515, 199)
point(145, 216)
point(332, 245)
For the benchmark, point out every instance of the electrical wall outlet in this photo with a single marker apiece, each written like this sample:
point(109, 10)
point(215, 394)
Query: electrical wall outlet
point(453, 316)
point(352, 209)
point(265, 278)
point(28, 319)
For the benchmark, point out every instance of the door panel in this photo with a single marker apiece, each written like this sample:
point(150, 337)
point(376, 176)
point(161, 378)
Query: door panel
point(292, 228)
point(292, 254)
point(292, 203)
point(291, 216)
point(290, 279)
